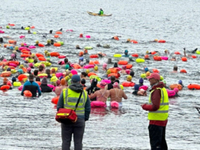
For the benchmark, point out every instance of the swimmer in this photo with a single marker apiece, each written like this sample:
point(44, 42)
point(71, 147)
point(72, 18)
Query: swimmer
point(175, 69)
point(109, 61)
point(51, 31)
point(98, 45)
point(1, 40)
point(36, 43)
point(78, 47)
point(126, 53)
point(29, 32)
point(48, 43)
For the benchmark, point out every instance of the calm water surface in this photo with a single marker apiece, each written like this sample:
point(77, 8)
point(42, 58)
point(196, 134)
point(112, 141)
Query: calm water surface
point(29, 124)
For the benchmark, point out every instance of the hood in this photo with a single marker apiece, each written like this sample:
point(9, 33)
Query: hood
point(76, 87)
point(159, 85)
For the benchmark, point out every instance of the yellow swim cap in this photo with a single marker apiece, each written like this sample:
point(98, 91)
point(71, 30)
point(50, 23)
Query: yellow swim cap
point(67, 78)
point(147, 52)
point(108, 71)
point(53, 79)
point(37, 42)
point(16, 47)
point(87, 71)
point(21, 66)
point(96, 68)
point(155, 40)
point(129, 78)
point(70, 75)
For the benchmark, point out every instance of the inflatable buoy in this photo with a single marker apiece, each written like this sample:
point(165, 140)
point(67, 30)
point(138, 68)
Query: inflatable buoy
point(57, 44)
point(164, 57)
point(87, 36)
point(27, 93)
point(97, 104)
point(54, 54)
point(91, 73)
point(12, 41)
point(114, 104)
point(42, 75)
point(116, 75)
point(155, 71)
point(61, 56)
point(117, 55)
point(116, 38)
point(183, 71)
point(96, 62)
point(172, 93)
point(56, 36)
point(39, 55)
point(161, 41)
point(177, 53)
point(94, 56)
point(140, 60)
point(143, 75)
point(128, 84)
point(194, 86)
point(88, 47)
point(184, 59)
point(5, 88)
point(55, 100)
point(58, 32)
point(76, 66)
point(17, 84)
point(129, 66)
point(144, 87)
point(113, 70)
point(157, 58)
point(135, 55)
point(88, 66)
point(6, 74)
point(194, 56)
point(172, 86)
point(25, 55)
point(42, 58)
point(41, 45)
point(122, 62)
point(134, 41)
point(21, 77)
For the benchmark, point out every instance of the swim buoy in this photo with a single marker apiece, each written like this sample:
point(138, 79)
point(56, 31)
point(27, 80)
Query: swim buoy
point(38, 82)
point(76, 66)
point(140, 60)
point(184, 59)
point(55, 100)
point(129, 66)
point(114, 104)
point(94, 56)
point(183, 71)
point(91, 73)
point(88, 47)
point(54, 54)
point(194, 56)
point(155, 71)
point(42, 58)
point(6, 74)
point(21, 77)
point(58, 32)
point(97, 104)
point(161, 41)
point(172, 93)
point(41, 45)
point(135, 55)
point(157, 58)
point(42, 75)
point(39, 55)
point(88, 66)
point(116, 38)
point(57, 44)
point(194, 86)
point(17, 84)
point(117, 55)
point(96, 62)
point(61, 56)
point(122, 62)
point(12, 41)
point(128, 84)
point(27, 93)
point(146, 57)
point(25, 52)
point(144, 87)
point(116, 75)
point(177, 53)
point(5, 87)
point(113, 70)
point(134, 41)
point(25, 55)
point(172, 86)
point(14, 62)
point(164, 57)
point(56, 36)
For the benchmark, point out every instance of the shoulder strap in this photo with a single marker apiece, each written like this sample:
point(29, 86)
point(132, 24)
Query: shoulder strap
point(78, 100)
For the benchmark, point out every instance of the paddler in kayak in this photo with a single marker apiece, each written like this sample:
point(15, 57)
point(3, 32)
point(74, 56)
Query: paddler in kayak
point(101, 12)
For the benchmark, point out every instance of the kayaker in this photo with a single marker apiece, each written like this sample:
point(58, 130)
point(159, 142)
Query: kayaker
point(101, 12)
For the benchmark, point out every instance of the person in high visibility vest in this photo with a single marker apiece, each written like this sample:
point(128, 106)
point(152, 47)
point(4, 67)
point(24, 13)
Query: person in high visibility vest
point(101, 12)
point(68, 99)
point(158, 112)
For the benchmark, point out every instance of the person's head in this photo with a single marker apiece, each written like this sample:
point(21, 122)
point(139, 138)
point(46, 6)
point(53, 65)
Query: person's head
point(77, 47)
point(51, 31)
point(37, 78)
point(35, 72)
point(142, 92)
point(153, 78)
point(5, 80)
point(101, 9)
point(75, 79)
point(36, 42)
point(141, 81)
point(112, 78)
point(20, 71)
point(83, 74)
point(146, 69)
point(94, 82)
point(66, 60)
point(132, 73)
point(102, 84)
point(41, 67)
point(83, 81)
point(136, 89)
point(31, 77)
point(44, 81)
point(14, 79)
point(109, 61)
point(123, 67)
point(115, 65)
point(129, 78)
point(126, 52)
point(175, 68)
point(95, 68)
point(63, 82)
point(48, 71)
point(104, 66)
point(58, 82)
point(116, 85)
point(180, 82)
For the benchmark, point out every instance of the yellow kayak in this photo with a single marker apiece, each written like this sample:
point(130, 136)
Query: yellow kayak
point(96, 14)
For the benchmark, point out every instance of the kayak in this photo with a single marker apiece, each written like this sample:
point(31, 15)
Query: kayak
point(96, 14)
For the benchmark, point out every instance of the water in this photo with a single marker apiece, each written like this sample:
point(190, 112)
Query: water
point(29, 124)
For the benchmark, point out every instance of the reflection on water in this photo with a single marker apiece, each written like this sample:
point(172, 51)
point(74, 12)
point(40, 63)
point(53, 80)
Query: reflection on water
point(30, 124)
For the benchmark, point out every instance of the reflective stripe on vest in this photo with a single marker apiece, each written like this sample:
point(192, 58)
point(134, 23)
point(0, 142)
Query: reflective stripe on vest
point(70, 99)
point(162, 113)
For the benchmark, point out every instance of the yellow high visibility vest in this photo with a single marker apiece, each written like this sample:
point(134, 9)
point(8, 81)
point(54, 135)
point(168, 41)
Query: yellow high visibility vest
point(70, 99)
point(162, 113)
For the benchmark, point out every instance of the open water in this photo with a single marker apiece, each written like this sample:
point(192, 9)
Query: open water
point(28, 124)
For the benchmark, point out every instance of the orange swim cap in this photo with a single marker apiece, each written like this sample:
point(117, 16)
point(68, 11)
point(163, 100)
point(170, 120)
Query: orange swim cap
point(81, 53)
point(63, 82)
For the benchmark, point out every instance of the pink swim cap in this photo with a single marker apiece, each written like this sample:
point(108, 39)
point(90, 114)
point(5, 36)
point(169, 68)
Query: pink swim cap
point(12, 55)
point(31, 65)
point(104, 65)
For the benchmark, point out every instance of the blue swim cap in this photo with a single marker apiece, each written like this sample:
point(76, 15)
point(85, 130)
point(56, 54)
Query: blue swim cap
point(141, 80)
point(146, 69)
point(180, 82)
point(14, 79)
point(11, 47)
point(61, 78)
point(136, 87)
point(81, 58)
point(20, 70)
point(126, 51)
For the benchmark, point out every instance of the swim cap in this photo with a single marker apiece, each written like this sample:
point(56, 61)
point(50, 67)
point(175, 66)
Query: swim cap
point(63, 82)
point(146, 69)
point(96, 68)
point(124, 67)
point(37, 42)
point(20, 70)
point(11, 47)
point(8, 69)
point(164, 81)
point(14, 79)
point(136, 87)
point(102, 84)
point(5, 80)
point(176, 90)
point(180, 82)
point(12, 55)
point(104, 65)
point(129, 78)
point(108, 71)
point(132, 73)
point(141, 80)
point(81, 58)
point(16, 47)
point(116, 85)
point(126, 51)
point(115, 65)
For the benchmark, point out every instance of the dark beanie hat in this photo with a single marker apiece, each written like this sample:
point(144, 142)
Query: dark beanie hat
point(44, 81)
point(14, 79)
point(75, 78)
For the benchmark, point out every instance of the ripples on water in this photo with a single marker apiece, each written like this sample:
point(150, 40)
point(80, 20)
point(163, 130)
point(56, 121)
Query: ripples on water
point(29, 124)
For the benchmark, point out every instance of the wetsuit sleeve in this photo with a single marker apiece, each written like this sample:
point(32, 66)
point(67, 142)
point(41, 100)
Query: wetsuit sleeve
point(155, 99)
point(87, 109)
point(60, 102)
point(22, 93)
point(39, 91)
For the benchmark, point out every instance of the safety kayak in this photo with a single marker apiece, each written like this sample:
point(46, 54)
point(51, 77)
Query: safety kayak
point(96, 14)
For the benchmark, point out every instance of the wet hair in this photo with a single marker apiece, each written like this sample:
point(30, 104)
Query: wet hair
point(48, 71)
point(83, 81)
point(41, 68)
point(109, 61)
point(50, 31)
point(112, 78)
point(175, 68)
point(35, 72)
point(115, 65)
point(84, 74)
point(35, 61)
point(1, 40)
point(66, 60)
point(132, 73)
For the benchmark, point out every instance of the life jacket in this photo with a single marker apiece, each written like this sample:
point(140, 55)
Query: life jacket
point(162, 113)
point(70, 98)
